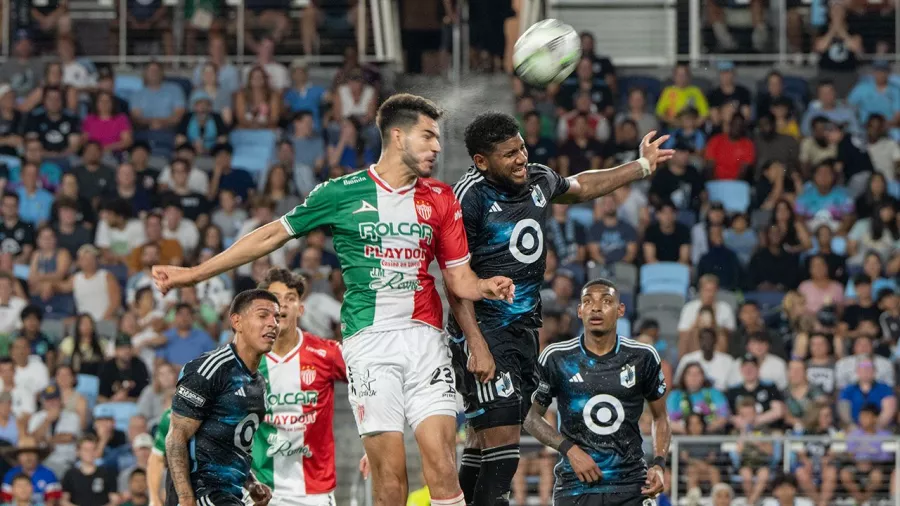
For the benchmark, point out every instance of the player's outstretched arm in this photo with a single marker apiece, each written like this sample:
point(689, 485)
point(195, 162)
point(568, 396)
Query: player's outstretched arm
point(481, 362)
point(592, 184)
point(582, 463)
point(177, 455)
point(462, 281)
point(662, 437)
point(256, 244)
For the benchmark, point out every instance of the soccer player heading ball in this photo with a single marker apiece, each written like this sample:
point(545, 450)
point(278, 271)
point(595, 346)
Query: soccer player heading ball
point(505, 203)
point(389, 222)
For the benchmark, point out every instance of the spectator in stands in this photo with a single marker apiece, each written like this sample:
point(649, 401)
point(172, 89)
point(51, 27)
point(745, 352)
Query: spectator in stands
point(680, 95)
point(228, 78)
point(728, 91)
point(667, 240)
point(157, 108)
point(139, 158)
point(678, 181)
point(774, 90)
point(277, 186)
point(137, 493)
point(581, 151)
point(304, 96)
point(785, 121)
point(87, 484)
point(192, 203)
point(52, 19)
point(820, 290)
point(170, 251)
point(9, 427)
point(28, 455)
point(750, 322)
point(10, 122)
point(526, 104)
point(203, 128)
point(34, 201)
point(741, 239)
point(876, 95)
point(351, 65)
point(220, 97)
point(228, 218)
point(112, 442)
point(308, 153)
point(31, 372)
point(784, 488)
point(863, 348)
point(185, 342)
point(53, 78)
point(72, 401)
point(107, 125)
point(883, 151)
point(239, 181)
point(258, 104)
point(794, 234)
point(824, 202)
point(16, 235)
point(730, 155)
point(106, 83)
point(127, 188)
point(96, 291)
point(95, 178)
point(689, 320)
point(864, 476)
point(889, 319)
point(716, 365)
point(597, 124)
point(157, 396)
point(817, 473)
point(715, 215)
point(39, 344)
point(357, 100)
point(58, 131)
point(637, 111)
point(699, 460)
point(276, 73)
point(772, 369)
point(826, 105)
point(11, 306)
point(695, 394)
point(772, 146)
point(70, 233)
point(821, 146)
point(836, 263)
point(626, 146)
point(540, 149)
point(350, 153)
point(148, 21)
point(84, 350)
point(840, 48)
point(584, 80)
point(860, 310)
point(773, 185)
point(176, 227)
point(23, 398)
point(754, 458)
point(55, 428)
point(76, 73)
point(873, 267)
point(150, 256)
point(867, 390)
point(611, 240)
point(568, 237)
point(800, 396)
point(123, 377)
point(118, 232)
point(22, 71)
point(721, 260)
point(765, 398)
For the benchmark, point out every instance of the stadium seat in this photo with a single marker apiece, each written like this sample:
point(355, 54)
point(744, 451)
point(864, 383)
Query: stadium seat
point(734, 195)
point(54, 329)
point(797, 88)
point(181, 82)
point(667, 320)
point(126, 85)
point(686, 217)
point(659, 301)
point(21, 271)
point(767, 301)
point(107, 329)
point(121, 412)
point(623, 327)
point(88, 386)
point(652, 87)
point(665, 277)
point(625, 276)
point(253, 149)
point(839, 245)
point(11, 162)
point(582, 215)
point(728, 297)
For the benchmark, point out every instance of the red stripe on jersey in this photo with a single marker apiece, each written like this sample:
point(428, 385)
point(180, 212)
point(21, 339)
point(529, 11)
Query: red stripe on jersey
point(433, 201)
point(325, 357)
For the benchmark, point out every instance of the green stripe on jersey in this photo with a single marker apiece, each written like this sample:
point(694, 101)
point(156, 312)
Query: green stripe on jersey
point(162, 430)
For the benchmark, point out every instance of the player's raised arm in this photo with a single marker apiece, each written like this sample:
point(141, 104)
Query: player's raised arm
point(178, 456)
point(592, 184)
point(662, 437)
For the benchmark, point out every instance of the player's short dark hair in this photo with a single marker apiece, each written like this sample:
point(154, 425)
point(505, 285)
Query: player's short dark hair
point(489, 129)
point(403, 111)
point(243, 300)
point(600, 282)
point(281, 275)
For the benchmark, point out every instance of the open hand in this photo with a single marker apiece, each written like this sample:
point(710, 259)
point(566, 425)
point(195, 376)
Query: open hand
point(653, 485)
point(168, 277)
point(651, 150)
point(497, 288)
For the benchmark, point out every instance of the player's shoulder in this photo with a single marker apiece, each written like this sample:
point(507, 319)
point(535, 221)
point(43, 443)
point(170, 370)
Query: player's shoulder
point(639, 350)
point(319, 345)
point(560, 349)
point(210, 363)
point(468, 185)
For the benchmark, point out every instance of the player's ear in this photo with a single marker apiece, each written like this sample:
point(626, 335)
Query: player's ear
point(621, 311)
point(236, 322)
point(480, 162)
point(397, 137)
point(579, 311)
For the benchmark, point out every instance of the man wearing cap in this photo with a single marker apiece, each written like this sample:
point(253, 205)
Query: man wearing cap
point(28, 455)
point(769, 404)
point(22, 71)
point(55, 428)
point(728, 92)
point(124, 376)
point(867, 390)
point(202, 127)
point(141, 447)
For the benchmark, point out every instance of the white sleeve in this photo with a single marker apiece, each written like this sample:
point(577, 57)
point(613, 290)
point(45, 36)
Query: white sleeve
point(688, 316)
point(35, 421)
point(727, 316)
point(102, 240)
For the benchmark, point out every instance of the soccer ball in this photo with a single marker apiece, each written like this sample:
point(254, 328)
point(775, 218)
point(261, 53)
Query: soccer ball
point(547, 53)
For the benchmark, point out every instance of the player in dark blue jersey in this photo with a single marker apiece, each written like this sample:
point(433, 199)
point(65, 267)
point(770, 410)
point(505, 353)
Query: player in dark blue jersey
point(218, 405)
point(600, 382)
point(505, 202)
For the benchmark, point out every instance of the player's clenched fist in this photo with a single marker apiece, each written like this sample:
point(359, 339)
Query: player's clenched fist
point(583, 465)
point(497, 288)
point(168, 277)
point(260, 494)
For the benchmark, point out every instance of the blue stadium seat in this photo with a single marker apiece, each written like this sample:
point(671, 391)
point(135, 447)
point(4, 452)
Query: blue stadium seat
point(126, 85)
point(11, 162)
point(627, 298)
point(734, 195)
point(88, 386)
point(686, 217)
point(665, 277)
point(582, 215)
point(652, 88)
point(647, 302)
point(625, 276)
point(54, 329)
point(253, 149)
point(623, 327)
point(21, 271)
point(839, 245)
point(183, 83)
point(121, 412)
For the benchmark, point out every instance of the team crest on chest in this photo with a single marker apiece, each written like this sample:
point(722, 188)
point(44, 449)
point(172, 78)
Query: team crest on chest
point(538, 196)
point(627, 377)
point(423, 209)
point(307, 375)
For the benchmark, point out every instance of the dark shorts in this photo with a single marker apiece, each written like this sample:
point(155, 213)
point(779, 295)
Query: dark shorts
point(507, 399)
point(604, 500)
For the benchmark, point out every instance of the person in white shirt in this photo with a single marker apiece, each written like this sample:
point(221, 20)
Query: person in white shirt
point(863, 349)
point(716, 365)
point(31, 372)
point(117, 232)
point(325, 321)
point(772, 369)
point(56, 428)
point(182, 230)
point(279, 78)
point(11, 306)
point(197, 179)
point(687, 323)
point(23, 399)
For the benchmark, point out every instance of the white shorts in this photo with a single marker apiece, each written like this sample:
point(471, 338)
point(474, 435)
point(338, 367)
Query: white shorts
point(398, 377)
point(305, 500)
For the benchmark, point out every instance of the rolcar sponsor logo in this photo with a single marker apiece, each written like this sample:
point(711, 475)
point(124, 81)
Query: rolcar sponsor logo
point(303, 398)
point(374, 231)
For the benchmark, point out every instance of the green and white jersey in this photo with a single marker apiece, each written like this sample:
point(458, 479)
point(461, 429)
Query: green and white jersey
point(385, 239)
point(162, 430)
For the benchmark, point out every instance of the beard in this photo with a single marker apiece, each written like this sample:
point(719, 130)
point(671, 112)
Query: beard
point(505, 182)
point(411, 161)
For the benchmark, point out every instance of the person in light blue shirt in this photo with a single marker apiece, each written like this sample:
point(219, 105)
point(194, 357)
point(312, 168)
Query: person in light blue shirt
point(184, 341)
point(823, 201)
point(158, 105)
point(303, 96)
point(229, 79)
point(826, 105)
point(34, 202)
point(876, 95)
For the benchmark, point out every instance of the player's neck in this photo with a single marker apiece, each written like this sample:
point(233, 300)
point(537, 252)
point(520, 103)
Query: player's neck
point(248, 355)
point(600, 345)
point(391, 169)
point(286, 342)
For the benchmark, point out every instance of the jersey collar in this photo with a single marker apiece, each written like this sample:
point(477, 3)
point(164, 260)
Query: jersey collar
point(238, 359)
point(593, 355)
point(384, 184)
point(290, 354)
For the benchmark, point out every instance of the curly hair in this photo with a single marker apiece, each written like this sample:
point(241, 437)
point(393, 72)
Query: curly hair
point(487, 130)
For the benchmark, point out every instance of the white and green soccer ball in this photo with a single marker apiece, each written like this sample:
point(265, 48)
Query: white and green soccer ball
point(547, 53)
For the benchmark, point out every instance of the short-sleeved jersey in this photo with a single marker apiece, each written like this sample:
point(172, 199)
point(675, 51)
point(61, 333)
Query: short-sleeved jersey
point(599, 401)
point(162, 430)
point(385, 239)
point(218, 389)
point(293, 451)
point(505, 232)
